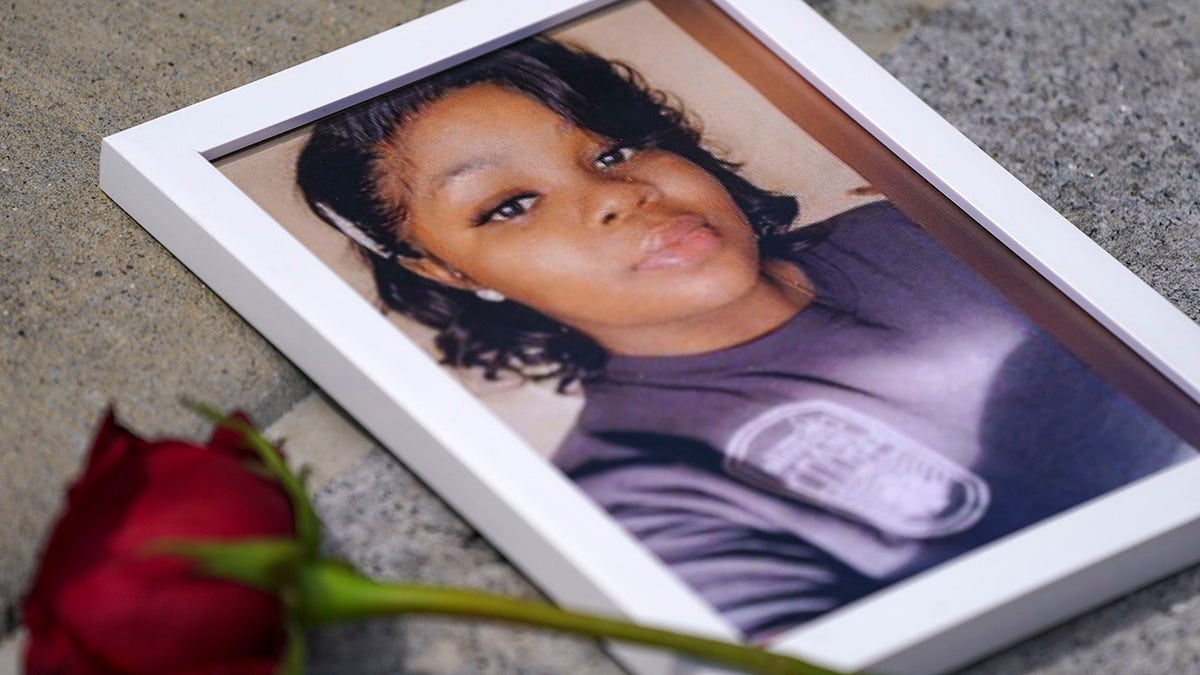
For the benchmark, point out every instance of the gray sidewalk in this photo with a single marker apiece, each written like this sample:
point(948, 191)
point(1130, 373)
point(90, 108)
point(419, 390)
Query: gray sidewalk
point(1095, 104)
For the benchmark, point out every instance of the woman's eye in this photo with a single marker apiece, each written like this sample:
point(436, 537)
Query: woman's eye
point(613, 156)
point(508, 209)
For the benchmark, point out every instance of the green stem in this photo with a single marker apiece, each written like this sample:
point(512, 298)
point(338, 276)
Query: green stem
point(331, 591)
point(308, 526)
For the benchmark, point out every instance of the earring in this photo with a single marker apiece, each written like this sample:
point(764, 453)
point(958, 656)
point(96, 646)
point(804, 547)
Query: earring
point(489, 295)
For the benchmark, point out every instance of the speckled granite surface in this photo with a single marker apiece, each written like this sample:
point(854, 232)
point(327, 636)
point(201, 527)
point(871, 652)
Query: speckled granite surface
point(386, 523)
point(1093, 103)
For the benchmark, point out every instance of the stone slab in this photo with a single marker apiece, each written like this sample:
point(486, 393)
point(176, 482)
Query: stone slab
point(1091, 102)
point(92, 310)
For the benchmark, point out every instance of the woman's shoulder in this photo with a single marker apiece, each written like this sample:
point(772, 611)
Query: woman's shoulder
point(875, 221)
point(869, 228)
point(877, 260)
point(880, 237)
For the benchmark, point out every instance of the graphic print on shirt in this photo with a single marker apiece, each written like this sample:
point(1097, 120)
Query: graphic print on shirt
point(831, 456)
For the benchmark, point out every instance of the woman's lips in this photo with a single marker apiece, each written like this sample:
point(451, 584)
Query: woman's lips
point(678, 243)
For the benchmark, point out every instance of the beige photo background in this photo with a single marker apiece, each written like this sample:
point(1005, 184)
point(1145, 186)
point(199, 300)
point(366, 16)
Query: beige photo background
point(739, 123)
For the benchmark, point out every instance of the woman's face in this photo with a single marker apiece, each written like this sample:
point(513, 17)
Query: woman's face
point(621, 243)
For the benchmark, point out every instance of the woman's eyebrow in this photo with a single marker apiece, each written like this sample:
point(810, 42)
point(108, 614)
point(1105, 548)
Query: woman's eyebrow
point(461, 169)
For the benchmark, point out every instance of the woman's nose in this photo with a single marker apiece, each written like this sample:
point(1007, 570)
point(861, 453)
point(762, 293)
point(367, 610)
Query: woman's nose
point(618, 198)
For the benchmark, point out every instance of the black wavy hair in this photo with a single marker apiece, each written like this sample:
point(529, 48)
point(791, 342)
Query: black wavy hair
point(337, 173)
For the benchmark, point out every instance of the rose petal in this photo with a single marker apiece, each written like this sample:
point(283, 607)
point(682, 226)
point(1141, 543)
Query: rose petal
point(112, 445)
point(50, 649)
point(247, 667)
point(192, 493)
point(148, 616)
point(103, 602)
point(233, 442)
point(81, 536)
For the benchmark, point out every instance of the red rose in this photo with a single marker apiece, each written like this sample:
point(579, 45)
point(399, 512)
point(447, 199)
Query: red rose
point(103, 602)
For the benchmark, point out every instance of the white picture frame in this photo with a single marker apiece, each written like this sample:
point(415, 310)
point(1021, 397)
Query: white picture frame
point(162, 174)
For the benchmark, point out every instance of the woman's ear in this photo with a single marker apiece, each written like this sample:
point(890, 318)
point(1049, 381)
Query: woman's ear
point(436, 270)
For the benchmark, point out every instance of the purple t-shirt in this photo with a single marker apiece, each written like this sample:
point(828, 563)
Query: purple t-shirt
point(908, 415)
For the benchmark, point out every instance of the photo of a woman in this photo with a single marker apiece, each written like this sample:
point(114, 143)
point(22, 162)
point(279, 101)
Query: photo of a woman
point(788, 417)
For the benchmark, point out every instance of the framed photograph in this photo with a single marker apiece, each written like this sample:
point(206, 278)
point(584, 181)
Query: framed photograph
point(701, 318)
